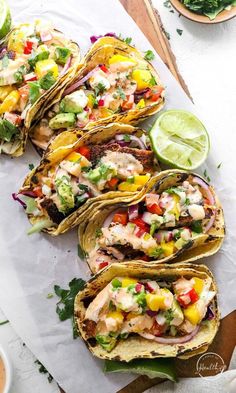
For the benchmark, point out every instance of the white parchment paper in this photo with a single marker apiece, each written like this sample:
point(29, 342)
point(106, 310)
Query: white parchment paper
point(31, 265)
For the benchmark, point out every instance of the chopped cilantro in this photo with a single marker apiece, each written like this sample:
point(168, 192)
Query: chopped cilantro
point(127, 138)
point(121, 93)
point(100, 88)
point(43, 370)
point(179, 31)
point(47, 81)
point(187, 201)
point(156, 253)
point(31, 166)
point(219, 165)
point(197, 227)
point(205, 174)
point(169, 316)
point(149, 55)
point(7, 130)
point(152, 81)
point(65, 306)
point(130, 179)
point(19, 74)
point(98, 232)
point(116, 283)
point(49, 295)
point(34, 91)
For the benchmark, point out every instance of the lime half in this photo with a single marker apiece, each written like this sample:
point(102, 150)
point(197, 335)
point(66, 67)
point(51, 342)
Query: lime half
point(5, 19)
point(180, 140)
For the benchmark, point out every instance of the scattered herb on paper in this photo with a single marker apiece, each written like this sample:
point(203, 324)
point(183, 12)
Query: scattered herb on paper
point(219, 165)
point(49, 295)
point(4, 322)
point(80, 252)
point(179, 31)
point(31, 166)
point(167, 4)
point(149, 55)
point(166, 33)
point(43, 370)
point(127, 40)
point(65, 306)
point(207, 177)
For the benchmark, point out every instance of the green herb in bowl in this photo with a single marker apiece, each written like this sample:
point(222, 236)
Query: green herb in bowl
point(210, 8)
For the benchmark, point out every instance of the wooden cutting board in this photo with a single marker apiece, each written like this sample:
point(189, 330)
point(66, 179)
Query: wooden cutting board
point(148, 20)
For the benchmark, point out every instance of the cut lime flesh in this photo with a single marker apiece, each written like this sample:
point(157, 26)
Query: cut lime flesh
point(153, 368)
point(5, 19)
point(180, 140)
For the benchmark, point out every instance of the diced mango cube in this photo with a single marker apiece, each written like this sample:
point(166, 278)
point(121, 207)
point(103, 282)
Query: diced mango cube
point(4, 91)
point(77, 157)
point(168, 248)
point(155, 302)
point(44, 66)
point(117, 315)
point(141, 104)
point(10, 102)
point(131, 187)
point(192, 314)
point(141, 179)
point(142, 78)
point(198, 284)
point(131, 315)
point(16, 41)
point(120, 58)
point(128, 281)
point(90, 103)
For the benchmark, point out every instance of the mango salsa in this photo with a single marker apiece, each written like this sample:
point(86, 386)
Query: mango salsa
point(192, 314)
point(141, 179)
point(126, 186)
point(140, 104)
point(155, 302)
point(168, 248)
point(78, 158)
point(4, 91)
point(198, 284)
point(117, 315)
point(128, 281)
point(120, 58)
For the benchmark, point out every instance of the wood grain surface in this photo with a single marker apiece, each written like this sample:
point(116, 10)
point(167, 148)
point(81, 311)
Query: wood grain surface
point(148, 20)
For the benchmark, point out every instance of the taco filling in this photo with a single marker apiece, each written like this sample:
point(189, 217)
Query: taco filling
point(34, 57)
point(159, 226)
point(167, 312)
point(121, 84)
point(122, 164)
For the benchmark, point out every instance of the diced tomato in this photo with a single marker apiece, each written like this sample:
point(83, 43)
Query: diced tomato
point(13, 118)
point(138, 287)
point(157, 93)
point(38, 191)
point(121, 218)
point(84, 151)
point(101, 102)
point(148, 93)
point(207, 202)
point(139, 232)
point(189, 297)
point(28, 47)
point(156, 329)
point(141, 224)
point(150, 199)
point(92, 117)
point(155, 209)
point(113, 182)
point(103, 68)
point(102, 265)
point(128, 104)
point(30, 77)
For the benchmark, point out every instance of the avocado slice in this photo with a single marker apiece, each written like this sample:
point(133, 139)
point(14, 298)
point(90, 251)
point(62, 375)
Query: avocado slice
point(62, 120)
point(65, 193)
point(74, 102)
point(62, 55)
point(177, 314)
point(94, 175)
point(106, 342)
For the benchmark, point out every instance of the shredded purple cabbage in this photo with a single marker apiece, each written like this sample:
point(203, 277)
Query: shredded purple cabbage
point(16, 198)
point(94, 38)
point(209, 314)
point(151, 313)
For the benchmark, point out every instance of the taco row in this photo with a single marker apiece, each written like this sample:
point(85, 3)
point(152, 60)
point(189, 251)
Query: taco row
point(45, 89)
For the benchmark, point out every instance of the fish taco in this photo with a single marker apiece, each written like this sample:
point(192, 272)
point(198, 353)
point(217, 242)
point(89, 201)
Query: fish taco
point(35, 61)
point(78, 172)
point(130, 311)
point(178, 217)
point(115, 84)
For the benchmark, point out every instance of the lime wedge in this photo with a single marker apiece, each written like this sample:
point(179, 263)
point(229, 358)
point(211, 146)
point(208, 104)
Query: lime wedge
point(180, 140)
point(5, 19)
point(153, 368)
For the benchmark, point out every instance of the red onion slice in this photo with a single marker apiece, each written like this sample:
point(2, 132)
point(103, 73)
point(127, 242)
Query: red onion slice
point(94, 38)
point(80, 82)
point(165, 340)
point(133, 212)
point(205, 186)
point(16, 198)
point(45, 36)
point(210, 222)
point(66, 66)
point(133, 138)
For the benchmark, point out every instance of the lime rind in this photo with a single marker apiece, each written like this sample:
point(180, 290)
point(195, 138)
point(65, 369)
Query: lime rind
point(180, 140)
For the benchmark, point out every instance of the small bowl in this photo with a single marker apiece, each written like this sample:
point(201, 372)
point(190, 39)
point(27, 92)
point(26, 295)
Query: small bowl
point(223, 16)
point(8, 368)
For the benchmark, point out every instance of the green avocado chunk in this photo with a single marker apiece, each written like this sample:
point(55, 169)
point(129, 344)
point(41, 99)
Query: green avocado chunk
point(177, 314)
point(62, 55)
point(62, 120)
point(65, 193)
point(106, 342)
point(73, 103)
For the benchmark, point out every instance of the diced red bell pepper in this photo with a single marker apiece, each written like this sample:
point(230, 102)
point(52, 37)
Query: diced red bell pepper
point(113, 182)
point(103, 68)
point(141, 224)
point(189, 297)
point(102, 265)
point(139, 232)
point(121, 218)
point(28, 47)
point(38, 191)
point(101, 102)
point(84, 151)
point(155, 209)
point(138, 287)
point(157, 93)
point(13, 118)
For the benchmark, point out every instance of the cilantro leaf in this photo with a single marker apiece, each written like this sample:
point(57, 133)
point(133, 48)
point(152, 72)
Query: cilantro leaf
point(19, 74)
point(47, 81)
point(7, 130)
point(197, 227)
point(31, 166)
point(65, 306)
point(149, 55)
point(43, 370)
point(34, 91)
point(179, 31)
point(4, 322)
point(121, 93)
